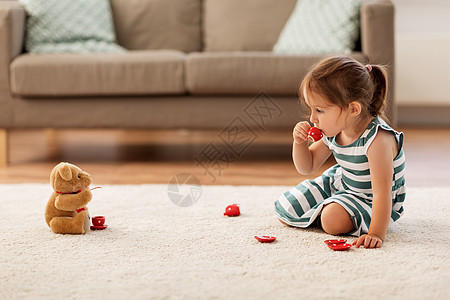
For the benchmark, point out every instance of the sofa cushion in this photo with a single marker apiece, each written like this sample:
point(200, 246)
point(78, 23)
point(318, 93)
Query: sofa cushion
point(234, 73)
point(128, 73)
point(158, 24)
point(320, 27)
point(244, 25)
point(62, 26)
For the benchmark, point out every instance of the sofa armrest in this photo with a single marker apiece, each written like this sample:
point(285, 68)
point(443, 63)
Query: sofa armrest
point(377, 30)
point(12, 27)
point(377, 41)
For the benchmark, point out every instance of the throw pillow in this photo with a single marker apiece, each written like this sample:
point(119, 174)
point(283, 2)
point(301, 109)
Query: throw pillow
point(320, 27)
point(74, 26)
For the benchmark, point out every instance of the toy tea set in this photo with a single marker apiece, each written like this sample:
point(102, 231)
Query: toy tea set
point(66, 211)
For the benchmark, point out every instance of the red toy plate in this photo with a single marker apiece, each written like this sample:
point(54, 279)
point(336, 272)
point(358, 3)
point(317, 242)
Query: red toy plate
point(265, 238)
point(341, 241)
point(339, 247)
point(100, 227)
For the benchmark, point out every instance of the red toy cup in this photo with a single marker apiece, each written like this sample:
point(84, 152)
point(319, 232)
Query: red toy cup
point(314, 134)
point(98, 220)
point(232, 210)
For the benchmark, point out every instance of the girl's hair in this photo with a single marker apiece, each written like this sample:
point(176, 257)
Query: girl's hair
point(342, 80)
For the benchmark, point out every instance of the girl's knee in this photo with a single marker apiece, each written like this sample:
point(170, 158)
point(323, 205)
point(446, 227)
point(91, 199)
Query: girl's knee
point(335, 220)
point(284, 223)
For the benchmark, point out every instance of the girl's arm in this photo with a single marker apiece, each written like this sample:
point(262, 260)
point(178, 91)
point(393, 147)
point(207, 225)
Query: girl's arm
point(381, 154)
point(307, 159)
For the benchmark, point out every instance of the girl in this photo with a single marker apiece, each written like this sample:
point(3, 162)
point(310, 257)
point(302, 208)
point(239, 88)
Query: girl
point(366, 189)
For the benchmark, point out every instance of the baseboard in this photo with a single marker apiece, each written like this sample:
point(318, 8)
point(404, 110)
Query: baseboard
point(423, 116)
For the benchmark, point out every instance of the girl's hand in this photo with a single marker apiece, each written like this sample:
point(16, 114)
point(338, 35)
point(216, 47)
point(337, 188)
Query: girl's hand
point(368, 241)
point(300, 132)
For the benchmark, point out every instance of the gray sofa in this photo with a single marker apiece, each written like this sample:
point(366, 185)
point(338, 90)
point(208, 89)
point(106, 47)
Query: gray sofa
point(195, 64)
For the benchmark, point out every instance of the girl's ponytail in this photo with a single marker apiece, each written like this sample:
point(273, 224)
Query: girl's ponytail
point(378, 75)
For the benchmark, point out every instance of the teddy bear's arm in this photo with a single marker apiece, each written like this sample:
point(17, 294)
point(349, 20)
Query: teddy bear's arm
point(71, 202)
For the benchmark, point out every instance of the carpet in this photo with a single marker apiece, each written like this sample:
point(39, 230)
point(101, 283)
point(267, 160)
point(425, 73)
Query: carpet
point(154, 249)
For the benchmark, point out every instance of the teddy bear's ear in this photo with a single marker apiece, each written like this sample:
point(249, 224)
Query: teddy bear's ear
point(65, 172)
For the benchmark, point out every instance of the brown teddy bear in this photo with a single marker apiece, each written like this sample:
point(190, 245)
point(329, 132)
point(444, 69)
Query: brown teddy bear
point(66, 210)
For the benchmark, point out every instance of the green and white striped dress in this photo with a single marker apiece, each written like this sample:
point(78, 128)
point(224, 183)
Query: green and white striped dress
point(348, 183)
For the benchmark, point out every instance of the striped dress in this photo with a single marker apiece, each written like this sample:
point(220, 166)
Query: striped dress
point(347, 183)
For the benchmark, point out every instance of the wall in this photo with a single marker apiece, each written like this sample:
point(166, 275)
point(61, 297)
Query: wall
point(422, 52)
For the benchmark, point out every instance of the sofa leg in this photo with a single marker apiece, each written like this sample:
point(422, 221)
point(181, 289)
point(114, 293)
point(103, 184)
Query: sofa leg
point(4, 147)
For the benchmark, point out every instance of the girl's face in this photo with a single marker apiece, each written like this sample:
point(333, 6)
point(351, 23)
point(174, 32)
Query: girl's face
point(328, 117)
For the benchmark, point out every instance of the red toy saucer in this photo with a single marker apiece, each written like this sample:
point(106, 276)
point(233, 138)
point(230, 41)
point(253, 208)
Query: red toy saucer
point(339, 247)
point(265, 238)
point(341, 241)
point(99, 227)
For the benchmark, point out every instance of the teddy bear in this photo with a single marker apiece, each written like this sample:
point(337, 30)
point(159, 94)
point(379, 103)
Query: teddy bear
point(66, 210)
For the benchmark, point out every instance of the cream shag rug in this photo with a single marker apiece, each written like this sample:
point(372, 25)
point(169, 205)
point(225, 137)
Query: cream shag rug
point(154, 249)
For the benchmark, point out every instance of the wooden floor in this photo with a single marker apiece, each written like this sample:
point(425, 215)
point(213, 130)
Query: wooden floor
point(141, 157)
